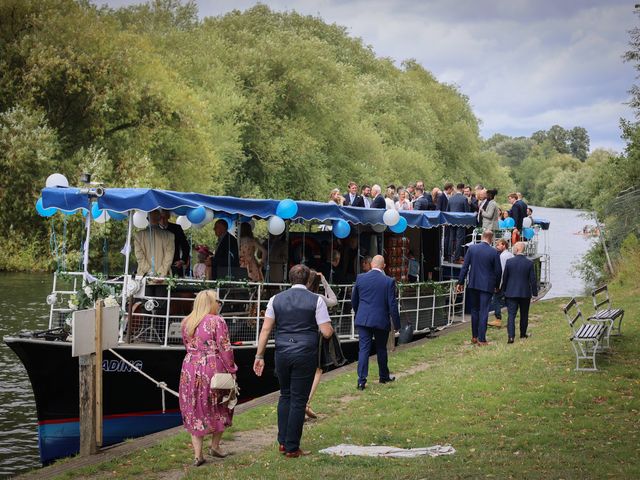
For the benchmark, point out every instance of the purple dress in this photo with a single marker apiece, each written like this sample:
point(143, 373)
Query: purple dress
point(208, 352)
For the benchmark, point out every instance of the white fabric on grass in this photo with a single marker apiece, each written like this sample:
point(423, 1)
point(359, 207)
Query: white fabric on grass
point(344, 450)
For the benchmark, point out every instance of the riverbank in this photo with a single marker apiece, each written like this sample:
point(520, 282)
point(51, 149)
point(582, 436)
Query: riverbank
point(509, 410)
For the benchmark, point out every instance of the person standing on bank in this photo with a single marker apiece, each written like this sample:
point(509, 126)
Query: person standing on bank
point(482, 263)
point(297, 314)
point(519, 284)
point(373, 299)
point(206, 338)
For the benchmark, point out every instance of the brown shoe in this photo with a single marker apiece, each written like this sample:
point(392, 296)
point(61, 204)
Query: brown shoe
point(297, 453)
point(495, 323)
point(483, 344)
point(281, 449)
point(310, 413)
point(474, 340)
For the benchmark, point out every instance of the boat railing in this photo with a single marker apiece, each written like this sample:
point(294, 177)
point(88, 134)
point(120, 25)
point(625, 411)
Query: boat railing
point(153, 307)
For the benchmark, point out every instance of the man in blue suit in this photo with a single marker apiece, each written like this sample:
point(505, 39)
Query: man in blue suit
point(519, 284)
point(373, 299)
point(457, 203)
point(482, 263)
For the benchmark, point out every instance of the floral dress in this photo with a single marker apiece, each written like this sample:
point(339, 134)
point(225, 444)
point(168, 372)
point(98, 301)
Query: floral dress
point(208, 351)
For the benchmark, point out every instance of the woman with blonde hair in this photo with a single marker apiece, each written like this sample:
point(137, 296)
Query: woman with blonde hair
point(335, 197)
point(206, 338)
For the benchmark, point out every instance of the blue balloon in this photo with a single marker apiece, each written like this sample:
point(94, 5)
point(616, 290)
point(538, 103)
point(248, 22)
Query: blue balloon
point(96, 211)
point(399, 227)
point(181, 210)
point(287, 209)
point(341, 229)
point(117, 215)
point(84, 211)
point(44, 212)
point(197, 215)
point(528, 233)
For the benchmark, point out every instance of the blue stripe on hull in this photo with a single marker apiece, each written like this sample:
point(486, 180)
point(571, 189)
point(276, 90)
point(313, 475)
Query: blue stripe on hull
point(57, 440)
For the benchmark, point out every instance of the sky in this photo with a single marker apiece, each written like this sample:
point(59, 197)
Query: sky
point(524, 64)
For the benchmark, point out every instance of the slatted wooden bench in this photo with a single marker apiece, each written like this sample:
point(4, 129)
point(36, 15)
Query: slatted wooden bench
point(605, 312)
point(586, 338)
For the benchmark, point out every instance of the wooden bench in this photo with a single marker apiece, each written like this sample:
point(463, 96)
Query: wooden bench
point(586, 338)
point(604, 311)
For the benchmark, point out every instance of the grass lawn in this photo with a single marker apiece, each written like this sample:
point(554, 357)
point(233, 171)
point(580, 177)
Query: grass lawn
point(510, 411)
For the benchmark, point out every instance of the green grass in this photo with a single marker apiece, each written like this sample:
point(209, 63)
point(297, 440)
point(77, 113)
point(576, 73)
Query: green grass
point(510, 411)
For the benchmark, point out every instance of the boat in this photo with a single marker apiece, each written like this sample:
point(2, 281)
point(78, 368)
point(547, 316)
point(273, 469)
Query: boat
point(149, 335)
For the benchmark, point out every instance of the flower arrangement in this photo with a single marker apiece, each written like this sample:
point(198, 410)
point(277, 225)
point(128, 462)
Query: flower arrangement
point(88, 295)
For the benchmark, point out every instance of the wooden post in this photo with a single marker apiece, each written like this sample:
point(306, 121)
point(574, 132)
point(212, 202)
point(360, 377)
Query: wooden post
point(98, 366)
point(87, 405)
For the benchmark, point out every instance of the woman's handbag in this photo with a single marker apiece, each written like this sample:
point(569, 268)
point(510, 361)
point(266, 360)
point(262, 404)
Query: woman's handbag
point(223, 381)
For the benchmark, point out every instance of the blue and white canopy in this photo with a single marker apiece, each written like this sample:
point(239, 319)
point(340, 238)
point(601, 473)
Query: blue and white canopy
point(124, 200)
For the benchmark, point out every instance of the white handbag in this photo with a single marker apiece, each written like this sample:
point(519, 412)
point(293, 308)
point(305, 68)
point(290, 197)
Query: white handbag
point(223, 381)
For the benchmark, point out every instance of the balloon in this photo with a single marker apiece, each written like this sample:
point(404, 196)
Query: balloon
point(183, 222)
point(527, 222)
point(287, 209)
point(341, 229)
point(117, 215)
point(57, 180)
point(276, 225)
point(391, 217)
point(96, 211)
point(528, 233)
point(379, 228)
point(140, 219)
point(399, 227)
point(103, 217)
point(181, 211)
point(208, 216)
point(44, 212)
point(197, 215)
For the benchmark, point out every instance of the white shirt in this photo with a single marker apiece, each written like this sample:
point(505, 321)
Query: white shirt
point(367, 202)
point(322, 314)
point(504, 256)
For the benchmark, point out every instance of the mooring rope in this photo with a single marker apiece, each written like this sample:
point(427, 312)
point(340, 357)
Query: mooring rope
point(161, 385)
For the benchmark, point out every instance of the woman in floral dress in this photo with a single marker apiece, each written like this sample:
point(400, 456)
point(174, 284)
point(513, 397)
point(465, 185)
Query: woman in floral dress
point(206, 338)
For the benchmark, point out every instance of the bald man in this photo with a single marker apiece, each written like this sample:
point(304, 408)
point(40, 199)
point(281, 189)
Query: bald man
point(519, 284)
point(374, 302)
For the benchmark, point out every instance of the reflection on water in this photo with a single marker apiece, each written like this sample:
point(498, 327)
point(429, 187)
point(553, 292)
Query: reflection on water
point(22, 307)
point(566, 246)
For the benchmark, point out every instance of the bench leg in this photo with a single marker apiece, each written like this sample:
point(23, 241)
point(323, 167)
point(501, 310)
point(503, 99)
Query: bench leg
point(586, 352)
point(619, 327)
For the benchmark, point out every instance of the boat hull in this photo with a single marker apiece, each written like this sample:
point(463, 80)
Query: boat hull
point(132, 405)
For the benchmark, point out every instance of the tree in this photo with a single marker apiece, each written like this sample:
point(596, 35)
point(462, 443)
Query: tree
point(579, 143)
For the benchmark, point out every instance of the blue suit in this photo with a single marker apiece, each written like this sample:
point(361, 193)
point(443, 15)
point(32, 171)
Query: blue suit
point(373, 299)
point(424, 202)
point(482, 264)
point(519, 284)
point(518, 212)
point(457, 203)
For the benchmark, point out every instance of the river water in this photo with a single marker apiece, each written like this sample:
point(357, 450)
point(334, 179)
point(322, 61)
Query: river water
point(23, 307)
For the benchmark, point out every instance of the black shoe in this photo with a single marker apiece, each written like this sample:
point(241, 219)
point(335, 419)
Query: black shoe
point(510, 340)
point(361, 386)
point(526, 335)
point(387, 380)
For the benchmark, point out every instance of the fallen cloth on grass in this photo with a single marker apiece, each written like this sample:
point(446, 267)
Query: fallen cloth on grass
point(344, 450)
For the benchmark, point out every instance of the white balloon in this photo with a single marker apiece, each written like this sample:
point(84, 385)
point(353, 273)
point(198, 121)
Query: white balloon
point(506, 235)
point(57, 180)
point(208, 216)
point(140, 219)
point(103, 217)
point(391, 217)
point(184, 222)
point(197, 226)
point(379, 228)
point(527, 222)
point(276, 225)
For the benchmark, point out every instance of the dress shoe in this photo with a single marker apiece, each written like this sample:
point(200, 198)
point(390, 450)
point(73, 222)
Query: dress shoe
point(297, 453)
point(474, 340)
point(526, 335)
point(309, 412)
point(510, 340)
point(198, 461)
point(361, 386)
point(483, 344)
point(495, 323)
point(387, 380)
point(281, 449)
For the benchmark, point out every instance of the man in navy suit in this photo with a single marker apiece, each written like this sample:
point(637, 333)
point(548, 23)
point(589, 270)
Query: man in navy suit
point(519, 284)
point(378, 199)
point(457, 203)
point(518, 210)
point(422, 201)
point(482, 263)
point(373, 299)
point(352, 199)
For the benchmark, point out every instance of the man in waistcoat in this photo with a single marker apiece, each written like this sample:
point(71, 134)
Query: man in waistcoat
point(297, 314)
point(373, 299)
